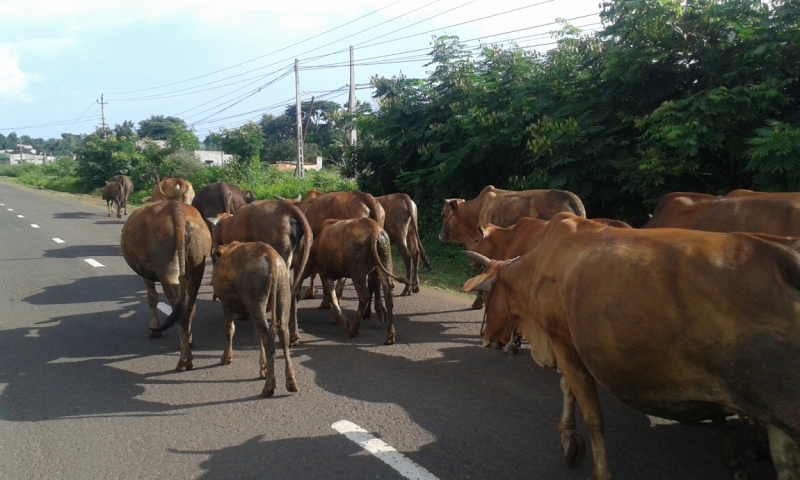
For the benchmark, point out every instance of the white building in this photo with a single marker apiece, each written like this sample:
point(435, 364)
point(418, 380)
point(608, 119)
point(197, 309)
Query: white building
point(213, 158)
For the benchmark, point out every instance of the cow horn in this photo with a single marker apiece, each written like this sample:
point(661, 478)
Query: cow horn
point(279, 198)
point(484, 261)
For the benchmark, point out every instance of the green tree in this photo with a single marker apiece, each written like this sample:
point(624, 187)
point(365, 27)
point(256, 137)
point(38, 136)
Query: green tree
point(159, 127)
point(244, 143)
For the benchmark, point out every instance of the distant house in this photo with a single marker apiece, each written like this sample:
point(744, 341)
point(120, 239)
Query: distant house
point(311, 163)
point(213, 158)
point(32, 158)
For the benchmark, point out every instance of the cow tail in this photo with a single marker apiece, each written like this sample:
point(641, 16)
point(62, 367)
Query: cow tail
point(412, 208)
point(375, 210)
point(229, 207)
point(181, 239)
point(378, 263)
point(308, 238)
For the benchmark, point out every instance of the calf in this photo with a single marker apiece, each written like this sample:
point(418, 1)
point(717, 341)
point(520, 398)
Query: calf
point(251, 279)
point(356, 248)
point(112, 194)
point(403, 229)
point(168, 242)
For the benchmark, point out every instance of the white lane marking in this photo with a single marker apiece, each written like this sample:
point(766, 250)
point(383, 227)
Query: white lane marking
point(33, 333)
point(385, 453)
point(34, 225)
point(58, 240)
point(93, 262)
point(10, 209)
point(20, 216)
point(164, 308)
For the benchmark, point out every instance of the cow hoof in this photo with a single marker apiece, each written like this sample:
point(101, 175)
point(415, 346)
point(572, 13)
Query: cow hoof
point(294, 342)
point(309, 294)
point(406, 292)
point(184, 365)
point(263, 374)
point(291, 385)
point(367, 314)
point(352, 332)
point(324, 305)
point(512, 348)
point(226, 360)
point(574, 450)
point(389, 340)
point(477, 304)
point(267, 392)
point(415, 289)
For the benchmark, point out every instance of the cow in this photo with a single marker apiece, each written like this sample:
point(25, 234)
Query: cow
point(278, 223)
point(740, 211)
point(221, 197)
point(680, 324)
point(127, 189)
point(342, 206)
point(112, 194)
point(173, 189)
point(460, 218)
point(403, 229)
point(251, 279)
point(168, 242)
point(358, 249)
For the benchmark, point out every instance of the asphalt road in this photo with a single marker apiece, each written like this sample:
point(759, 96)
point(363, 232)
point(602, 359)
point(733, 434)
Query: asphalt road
point(84, 393)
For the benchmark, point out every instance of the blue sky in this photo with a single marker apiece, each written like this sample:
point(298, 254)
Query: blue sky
point(204, 61)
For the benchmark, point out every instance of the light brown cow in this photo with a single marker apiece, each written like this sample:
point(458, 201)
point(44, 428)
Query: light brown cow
point(461, 218)
point(112, 194)
point(680, 324)
point(251, 279)
point(771, 213)
point(341, 206)
point(127, 189)
point(357, 249)
point(168, 242)
point(173, 189)
point(278, 223)
point(403, 229)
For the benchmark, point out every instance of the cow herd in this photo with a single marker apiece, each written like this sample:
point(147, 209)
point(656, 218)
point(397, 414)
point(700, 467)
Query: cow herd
point(693, 317)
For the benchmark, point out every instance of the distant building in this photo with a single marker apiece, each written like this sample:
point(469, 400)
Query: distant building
point(311, 163)
point(213, 158)
point(32, 158)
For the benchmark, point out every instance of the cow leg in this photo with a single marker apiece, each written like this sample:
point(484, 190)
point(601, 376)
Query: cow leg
point(283, 333)
point(402, 248)
point(293, 327)
point(118, 207)
point(328, 292)
point(375, 292)
point(193, 279)
point(364, 297)
point(265, 332)
point(108, 204)
point(785, 454)
point(738, 469)
point(478, 303)
point(571, 440)
point(581, 382)
point(152, 304)
point(310, 291)
point(340, 287)
point(230, 328)
point(386, 315)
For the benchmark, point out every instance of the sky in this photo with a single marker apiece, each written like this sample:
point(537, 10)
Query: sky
point(221, 63)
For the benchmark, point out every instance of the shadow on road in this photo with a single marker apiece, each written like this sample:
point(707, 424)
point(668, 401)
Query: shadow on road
point(81, 251)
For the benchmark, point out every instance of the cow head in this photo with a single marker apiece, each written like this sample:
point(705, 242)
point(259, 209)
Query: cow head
point(483, 244)
point(448, 213)
point(217, 237)
point(497, 329)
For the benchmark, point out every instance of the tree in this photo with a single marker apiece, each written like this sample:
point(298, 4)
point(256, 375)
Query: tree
point(244, 142)
point(126, 129)
point(159, 127)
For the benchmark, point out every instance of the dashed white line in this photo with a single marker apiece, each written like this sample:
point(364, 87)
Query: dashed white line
point(34, 225)
point(164, 308)
point(93, 262)
point(387, 454)
point(10, 209)
point(58, 240)
point(20, 216)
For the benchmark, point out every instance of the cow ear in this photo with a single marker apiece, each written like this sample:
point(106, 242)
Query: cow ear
point(453, 202)
point(483, 283)
point(483, 232)
point(213, 220)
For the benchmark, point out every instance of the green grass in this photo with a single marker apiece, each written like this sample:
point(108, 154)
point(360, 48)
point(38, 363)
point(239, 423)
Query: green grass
point(451, 269)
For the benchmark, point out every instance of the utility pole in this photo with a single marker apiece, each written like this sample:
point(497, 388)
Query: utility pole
point(19, 143)
point(299, 171)
point(351, 108)
point(103, 116)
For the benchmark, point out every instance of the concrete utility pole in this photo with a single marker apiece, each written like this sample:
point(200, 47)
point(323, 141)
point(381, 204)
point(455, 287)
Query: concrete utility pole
point(103, 116)
point(299, 171)
point(19, 143)
point(351, 108)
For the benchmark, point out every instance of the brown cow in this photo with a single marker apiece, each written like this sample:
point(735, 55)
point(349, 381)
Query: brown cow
point(251, 279)
point(112, 194)
point(168, 242)
point(356, 248)
point(221, 197)
point(771, 213)
point(403, 229)
point(672, 322)
point(127, 189)
point(173, 189)
point(338, 205)
point(461, 218)
point(278, 223)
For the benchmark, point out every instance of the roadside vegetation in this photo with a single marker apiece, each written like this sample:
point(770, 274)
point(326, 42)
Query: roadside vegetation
point(668, 95)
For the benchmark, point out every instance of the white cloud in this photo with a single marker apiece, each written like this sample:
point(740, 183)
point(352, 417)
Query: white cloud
point(13, 81)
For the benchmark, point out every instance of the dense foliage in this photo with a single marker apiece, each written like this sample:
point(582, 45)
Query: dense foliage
point(671, 95)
